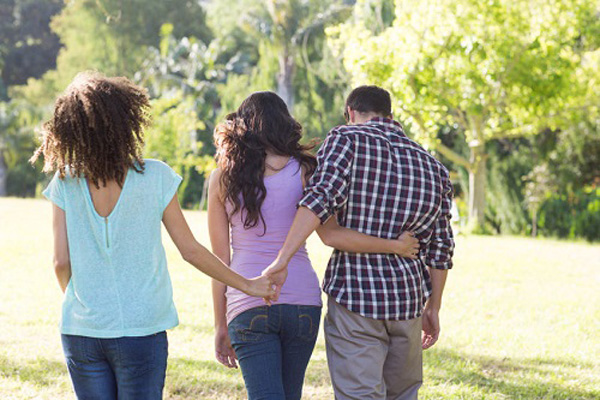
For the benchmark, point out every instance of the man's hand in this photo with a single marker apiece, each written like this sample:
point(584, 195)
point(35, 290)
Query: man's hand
point(431, 327)
point(277, 272)
point(223, 349)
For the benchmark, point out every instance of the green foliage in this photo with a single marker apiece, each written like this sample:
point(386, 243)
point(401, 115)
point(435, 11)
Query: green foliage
point(187, 74)
point(111, 36)
point(16, 147)
point(494, 69)
point(575, 162)
point(28, 47)
point(508, 162)
point(287, 36)
point(172, 139)
point(572, 216)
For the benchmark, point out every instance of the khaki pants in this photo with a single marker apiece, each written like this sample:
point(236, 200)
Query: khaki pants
point(371, 359)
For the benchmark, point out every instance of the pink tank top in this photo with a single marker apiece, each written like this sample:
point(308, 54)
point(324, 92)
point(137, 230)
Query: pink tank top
point(253, 251)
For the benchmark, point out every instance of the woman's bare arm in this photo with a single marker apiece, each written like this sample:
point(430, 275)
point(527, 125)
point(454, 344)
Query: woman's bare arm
point(345, 239)
point(206, 262)
point(62, 261)
point(218, 229)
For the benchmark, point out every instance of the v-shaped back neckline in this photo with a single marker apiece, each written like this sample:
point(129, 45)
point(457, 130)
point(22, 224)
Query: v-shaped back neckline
point(88, 195)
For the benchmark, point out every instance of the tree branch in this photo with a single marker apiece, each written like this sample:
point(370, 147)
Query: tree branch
point(453, 156)
point(438, 145)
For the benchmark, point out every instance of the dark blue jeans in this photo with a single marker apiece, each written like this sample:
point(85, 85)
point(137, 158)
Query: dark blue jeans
point(125, 368)
point(273, 345)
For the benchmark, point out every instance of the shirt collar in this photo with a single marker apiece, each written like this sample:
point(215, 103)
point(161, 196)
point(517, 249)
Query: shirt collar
point(387, 124)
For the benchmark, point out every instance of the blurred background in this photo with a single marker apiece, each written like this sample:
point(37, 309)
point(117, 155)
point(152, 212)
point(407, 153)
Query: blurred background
point(506, 93)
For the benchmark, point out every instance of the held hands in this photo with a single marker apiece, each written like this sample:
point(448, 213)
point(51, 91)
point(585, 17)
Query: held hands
point(277, 272)
point(261, 286)
point(223, 349)
point(431, 327)
point(407, 245)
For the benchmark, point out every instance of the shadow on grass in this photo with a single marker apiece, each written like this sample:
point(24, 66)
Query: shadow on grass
point(514, 378)
point(40, 372)
point(196, 379)
point(188, 378)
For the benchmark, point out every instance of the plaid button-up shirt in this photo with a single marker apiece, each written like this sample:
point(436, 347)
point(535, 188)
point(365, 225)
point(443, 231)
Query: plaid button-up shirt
point(379, 182)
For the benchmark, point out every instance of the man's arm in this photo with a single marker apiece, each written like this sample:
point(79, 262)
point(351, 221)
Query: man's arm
point(324, 195)
point(439, 261)
point(304, 224)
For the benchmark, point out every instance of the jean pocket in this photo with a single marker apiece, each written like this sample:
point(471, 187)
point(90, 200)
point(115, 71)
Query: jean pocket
point(309, 319)
point(249, 326)
point(138, 354)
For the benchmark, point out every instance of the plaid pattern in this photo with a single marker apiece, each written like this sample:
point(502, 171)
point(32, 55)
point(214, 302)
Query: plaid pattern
point(381, 183)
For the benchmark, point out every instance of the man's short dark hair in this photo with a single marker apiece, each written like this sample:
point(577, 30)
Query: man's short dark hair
point(371, 98)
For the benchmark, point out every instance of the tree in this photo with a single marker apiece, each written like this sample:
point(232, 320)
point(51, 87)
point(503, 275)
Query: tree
point(112, 36)
point(182, 78)
point(493, 69)
point(284, 26)
point(16, 146)
point(29, 48)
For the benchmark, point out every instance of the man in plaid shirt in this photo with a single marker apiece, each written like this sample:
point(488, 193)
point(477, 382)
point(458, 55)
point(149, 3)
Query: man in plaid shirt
point(382, 308)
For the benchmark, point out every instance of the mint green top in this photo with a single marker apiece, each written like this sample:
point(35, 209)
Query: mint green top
point(120, 285)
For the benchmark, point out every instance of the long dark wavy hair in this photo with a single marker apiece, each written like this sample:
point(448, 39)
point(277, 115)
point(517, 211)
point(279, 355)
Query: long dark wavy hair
point(96, 130)
point(262, 123)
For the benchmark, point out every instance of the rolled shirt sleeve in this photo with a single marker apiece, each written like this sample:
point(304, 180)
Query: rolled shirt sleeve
point(441, 246)
point(327, 189)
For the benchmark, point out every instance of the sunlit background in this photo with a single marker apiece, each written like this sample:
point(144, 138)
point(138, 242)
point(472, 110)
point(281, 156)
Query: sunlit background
point(506, 93)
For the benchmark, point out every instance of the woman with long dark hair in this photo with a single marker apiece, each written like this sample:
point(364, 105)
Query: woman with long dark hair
point(262, 168)
point(108, 204)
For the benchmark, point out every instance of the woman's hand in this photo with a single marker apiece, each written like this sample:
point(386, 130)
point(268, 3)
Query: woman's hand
point(407, 245)
point(223, 349)
point(278, 273)
point(261, 286)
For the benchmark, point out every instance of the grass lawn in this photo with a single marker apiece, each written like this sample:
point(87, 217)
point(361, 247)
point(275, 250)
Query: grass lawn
point(521, 320)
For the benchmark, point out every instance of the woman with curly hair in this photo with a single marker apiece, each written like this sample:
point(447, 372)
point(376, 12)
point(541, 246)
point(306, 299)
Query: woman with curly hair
point(108, 204)
point(262, 168)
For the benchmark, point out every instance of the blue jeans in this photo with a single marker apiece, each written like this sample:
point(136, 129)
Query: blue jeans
point(123, 368)
point(273, 345)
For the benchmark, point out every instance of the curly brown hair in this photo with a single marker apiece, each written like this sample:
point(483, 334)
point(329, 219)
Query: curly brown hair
point(96, 130)
point(262, 123)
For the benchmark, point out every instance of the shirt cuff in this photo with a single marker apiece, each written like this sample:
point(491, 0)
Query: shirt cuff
point(315, 204)
point(440, 264)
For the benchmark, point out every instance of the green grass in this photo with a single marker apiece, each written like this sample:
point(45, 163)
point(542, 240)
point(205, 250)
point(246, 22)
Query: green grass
point(521, 320)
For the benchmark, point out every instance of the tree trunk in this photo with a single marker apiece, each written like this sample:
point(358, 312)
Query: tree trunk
point(285, 89)
point(3, 176)
point(477, 177)
point(534, 223)
point(204, 194)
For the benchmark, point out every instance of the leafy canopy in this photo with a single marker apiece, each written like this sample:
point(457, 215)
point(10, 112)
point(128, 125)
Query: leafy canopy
point(494, 68)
